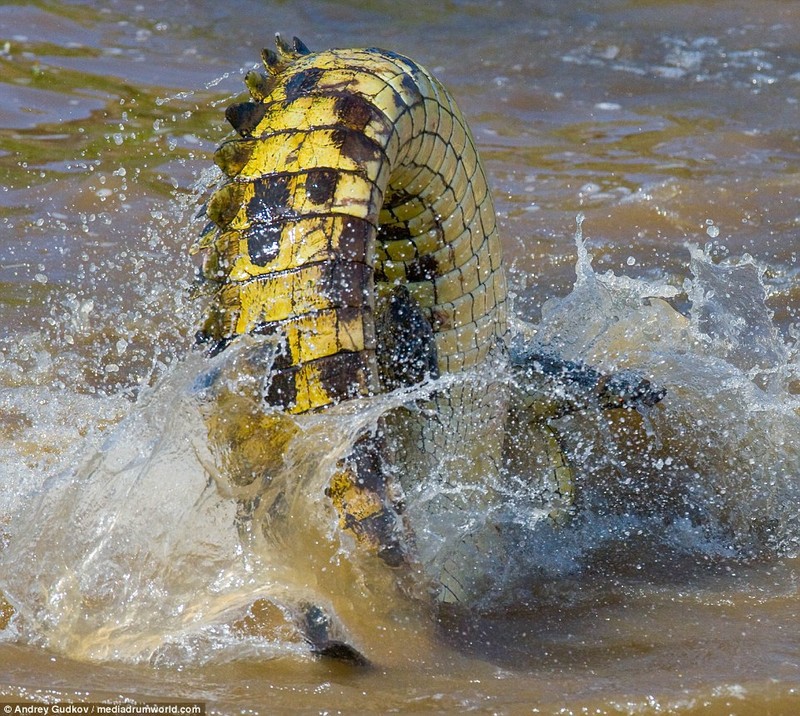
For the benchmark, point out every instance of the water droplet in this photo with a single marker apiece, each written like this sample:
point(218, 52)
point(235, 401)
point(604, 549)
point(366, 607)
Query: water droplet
point(631, 261)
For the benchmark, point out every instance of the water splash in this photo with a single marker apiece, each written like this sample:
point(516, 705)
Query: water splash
point(719, 451)
point(134, 553)
point(186, 94)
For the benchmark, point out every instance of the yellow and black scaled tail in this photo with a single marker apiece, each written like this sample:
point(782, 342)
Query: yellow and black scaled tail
point(353, 173)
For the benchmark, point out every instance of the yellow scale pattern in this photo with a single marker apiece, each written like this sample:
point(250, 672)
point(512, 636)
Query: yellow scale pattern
point(354, 184)
point(354, 172)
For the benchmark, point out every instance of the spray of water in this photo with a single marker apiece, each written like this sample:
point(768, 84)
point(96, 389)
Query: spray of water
point(126, 547)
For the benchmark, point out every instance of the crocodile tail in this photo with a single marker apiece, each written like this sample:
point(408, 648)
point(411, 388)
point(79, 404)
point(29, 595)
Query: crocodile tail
point(353, 171)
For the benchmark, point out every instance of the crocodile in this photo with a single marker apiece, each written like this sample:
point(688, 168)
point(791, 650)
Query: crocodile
point(354, 227)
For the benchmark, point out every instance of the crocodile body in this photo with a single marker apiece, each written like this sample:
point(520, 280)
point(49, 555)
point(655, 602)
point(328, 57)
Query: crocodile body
point(355, 227)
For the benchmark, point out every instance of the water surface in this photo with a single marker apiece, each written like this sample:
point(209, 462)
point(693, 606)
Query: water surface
point(671, 126)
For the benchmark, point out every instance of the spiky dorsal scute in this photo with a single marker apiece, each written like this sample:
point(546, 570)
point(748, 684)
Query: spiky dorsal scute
point(245, 116)
point(293, 51)
point(233, 155)
point(277, 62)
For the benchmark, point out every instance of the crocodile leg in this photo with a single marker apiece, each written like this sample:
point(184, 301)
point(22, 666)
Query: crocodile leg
point(546, 387)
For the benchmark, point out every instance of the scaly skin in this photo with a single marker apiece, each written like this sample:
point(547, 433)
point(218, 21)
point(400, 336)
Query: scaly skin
point(356, 225)
point(354, 172)
point(357, 229)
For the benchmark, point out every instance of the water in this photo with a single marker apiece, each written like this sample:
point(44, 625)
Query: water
point(671, 127)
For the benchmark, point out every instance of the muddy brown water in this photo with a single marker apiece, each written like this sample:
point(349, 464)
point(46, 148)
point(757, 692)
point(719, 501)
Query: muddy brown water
point(666, 124)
